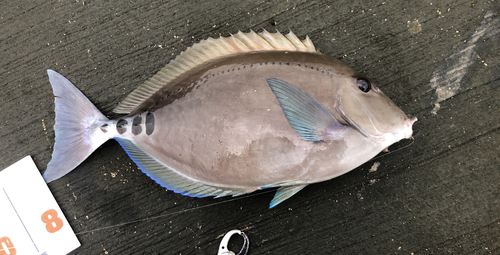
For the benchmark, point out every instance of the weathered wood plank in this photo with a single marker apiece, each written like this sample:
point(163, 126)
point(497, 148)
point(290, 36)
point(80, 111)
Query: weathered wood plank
point(436, 195)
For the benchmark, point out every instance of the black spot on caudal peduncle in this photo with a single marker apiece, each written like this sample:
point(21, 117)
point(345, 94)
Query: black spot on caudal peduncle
point(121, 126)
point(136, 125)
point(150, 123)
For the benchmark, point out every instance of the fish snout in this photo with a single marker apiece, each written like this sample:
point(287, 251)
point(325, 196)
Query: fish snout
point(409, 120)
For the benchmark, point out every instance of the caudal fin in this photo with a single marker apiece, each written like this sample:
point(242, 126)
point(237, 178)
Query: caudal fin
point(77, 128)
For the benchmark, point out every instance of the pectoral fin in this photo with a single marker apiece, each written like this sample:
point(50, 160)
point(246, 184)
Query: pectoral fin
point(309, 118)
point(284, 193)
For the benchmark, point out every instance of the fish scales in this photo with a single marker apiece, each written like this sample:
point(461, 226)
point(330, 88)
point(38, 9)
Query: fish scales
point(245, 139)
point(242, 121)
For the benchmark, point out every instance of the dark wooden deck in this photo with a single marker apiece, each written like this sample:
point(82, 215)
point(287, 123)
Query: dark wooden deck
point(438, 60)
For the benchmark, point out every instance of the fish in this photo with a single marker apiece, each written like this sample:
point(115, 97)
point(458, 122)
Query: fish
point(236, 114)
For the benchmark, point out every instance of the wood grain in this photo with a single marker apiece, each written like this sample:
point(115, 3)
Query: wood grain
point(437, 194)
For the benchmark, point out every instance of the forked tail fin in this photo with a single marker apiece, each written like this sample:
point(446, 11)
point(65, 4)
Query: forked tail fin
point(77, 128)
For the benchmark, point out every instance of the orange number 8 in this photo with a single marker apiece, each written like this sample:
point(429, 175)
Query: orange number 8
point(53, 223)
point(6, 246)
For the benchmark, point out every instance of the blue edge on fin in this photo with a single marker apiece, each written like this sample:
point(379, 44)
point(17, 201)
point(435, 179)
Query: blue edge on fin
point(125, 146)
point(285, 193)
point(171, 180)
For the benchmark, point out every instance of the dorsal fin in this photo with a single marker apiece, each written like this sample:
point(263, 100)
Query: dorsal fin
point(208, 50)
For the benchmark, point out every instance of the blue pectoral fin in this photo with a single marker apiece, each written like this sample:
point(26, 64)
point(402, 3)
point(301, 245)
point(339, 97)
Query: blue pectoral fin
point(309, 118)
point(284, 193)
point(171, 179)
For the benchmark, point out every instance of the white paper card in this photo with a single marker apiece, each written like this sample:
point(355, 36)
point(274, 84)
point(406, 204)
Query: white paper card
point(31, 222)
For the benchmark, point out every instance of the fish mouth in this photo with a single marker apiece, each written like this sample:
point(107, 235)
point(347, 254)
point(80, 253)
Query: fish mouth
point(407, 132)
point(409, 120)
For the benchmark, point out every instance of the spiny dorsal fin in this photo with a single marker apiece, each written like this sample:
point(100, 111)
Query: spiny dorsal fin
point(208, 50)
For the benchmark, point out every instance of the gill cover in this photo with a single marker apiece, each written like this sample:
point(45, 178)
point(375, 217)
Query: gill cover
point(371, 112)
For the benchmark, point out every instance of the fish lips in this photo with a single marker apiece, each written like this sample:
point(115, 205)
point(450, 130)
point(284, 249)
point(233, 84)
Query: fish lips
point(409, 120)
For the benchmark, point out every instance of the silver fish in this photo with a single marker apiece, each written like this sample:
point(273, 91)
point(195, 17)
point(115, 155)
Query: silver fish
point(233, 115)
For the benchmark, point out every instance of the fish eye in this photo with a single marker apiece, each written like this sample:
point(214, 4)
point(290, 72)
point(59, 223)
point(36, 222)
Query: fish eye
point(364, 85)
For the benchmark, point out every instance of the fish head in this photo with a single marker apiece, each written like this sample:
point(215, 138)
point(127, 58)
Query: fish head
point(363, 106)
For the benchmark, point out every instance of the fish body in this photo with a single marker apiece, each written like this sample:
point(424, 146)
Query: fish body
point(274, 114)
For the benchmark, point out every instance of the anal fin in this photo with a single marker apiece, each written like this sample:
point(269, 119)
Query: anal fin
point(284, 193)
point(171, 179)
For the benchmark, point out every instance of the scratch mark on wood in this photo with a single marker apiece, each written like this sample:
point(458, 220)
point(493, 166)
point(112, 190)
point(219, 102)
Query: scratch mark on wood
point(447, 77)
